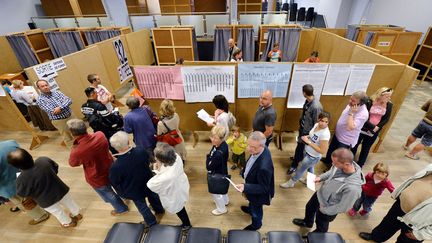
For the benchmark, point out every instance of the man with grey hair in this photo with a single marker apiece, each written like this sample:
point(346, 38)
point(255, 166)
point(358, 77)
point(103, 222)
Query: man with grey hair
point(129, 175)
point(139, 122)
point(92, 152)
point(231, 49)
point(349, 125)
point(340, 189)
point(259, 179)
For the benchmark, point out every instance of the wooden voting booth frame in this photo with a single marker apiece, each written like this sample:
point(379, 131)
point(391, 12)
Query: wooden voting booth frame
point(234, 29)
point(12, 120)
point(38, 44)
point(101, 59)
point(263, 32)
point(423, 56)
point(387, 73)
point(172, 43)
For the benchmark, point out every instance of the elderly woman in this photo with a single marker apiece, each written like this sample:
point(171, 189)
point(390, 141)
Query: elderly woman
point(216, 163)
point(170, 120)
point(380, 108)
point(170, 182)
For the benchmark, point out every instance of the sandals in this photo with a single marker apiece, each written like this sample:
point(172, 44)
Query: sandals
point(413, 157)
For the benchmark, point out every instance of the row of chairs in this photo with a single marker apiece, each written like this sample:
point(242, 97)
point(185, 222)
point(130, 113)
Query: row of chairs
point(136, 233)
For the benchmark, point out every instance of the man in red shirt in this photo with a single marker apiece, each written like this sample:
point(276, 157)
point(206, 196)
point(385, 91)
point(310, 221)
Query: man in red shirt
point(92, 152)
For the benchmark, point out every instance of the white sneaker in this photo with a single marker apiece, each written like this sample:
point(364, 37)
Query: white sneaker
point(216, 212)
point(288, 184)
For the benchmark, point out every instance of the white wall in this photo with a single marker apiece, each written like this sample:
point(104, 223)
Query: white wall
point(358, 9)
point(330, 10)
point(307, 4)
point(414, 15)
point(15, 14)
point(344, 13)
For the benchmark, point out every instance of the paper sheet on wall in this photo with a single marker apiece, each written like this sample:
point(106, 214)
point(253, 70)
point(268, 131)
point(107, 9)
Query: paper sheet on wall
point(336, 79)
point(313, 74)
point(253, 78)
point(359, 78)
point(2, 92)
point(160, 82)
point(202, 83)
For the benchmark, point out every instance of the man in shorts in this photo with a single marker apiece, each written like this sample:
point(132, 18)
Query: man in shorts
point(423, 131)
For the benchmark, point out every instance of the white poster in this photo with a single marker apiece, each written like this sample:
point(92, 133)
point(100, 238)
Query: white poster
point(53, 84)
point(313, 74)
point(45, 71)
point(124, 70)
point(202, 83)
point(59, 64)
point(336, 79)
point(253, 78)
point(359, 78)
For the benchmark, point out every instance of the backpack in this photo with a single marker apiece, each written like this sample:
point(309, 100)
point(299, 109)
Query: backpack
point(231, 120)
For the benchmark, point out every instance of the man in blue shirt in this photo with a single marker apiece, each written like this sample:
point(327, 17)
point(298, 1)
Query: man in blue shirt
point(57, 106)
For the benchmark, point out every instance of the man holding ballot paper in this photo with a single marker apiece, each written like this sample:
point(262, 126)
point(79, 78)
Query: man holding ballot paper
point(259, 179)
point(341, 187)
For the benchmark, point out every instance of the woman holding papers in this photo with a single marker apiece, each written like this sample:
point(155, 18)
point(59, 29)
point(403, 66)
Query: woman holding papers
point(222, 116)
point(316, 146)
point(216, 163)
point(380, 108)
point(170, 182)
point(170, 120)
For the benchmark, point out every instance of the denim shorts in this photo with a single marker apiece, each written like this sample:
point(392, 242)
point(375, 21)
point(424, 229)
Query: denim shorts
point(423, 131)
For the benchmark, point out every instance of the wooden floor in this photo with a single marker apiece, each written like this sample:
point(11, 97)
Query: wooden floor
point(287, 204)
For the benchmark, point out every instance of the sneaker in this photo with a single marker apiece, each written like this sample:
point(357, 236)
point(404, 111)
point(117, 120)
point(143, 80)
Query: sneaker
point(115, 213)
point(290, 183)
point(77, 217)
point(363, 212)
point(352, 212)
point(291, 170)
point(73, 223)
point(216, 212)
point(234, 167)
point(43, 218)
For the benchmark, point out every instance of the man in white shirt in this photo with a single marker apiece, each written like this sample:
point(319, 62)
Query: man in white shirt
point(104, 96)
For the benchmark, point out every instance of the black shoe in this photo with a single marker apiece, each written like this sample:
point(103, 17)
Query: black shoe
point(291, 170)
point(365, 236)
point(292, 158)
point(250, 227)
point(245, 209)
point(234, 167)
point(14, 209)
point(301, 223)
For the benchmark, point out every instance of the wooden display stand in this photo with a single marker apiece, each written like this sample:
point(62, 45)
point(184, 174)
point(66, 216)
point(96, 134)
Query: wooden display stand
point(175, 6)
point(72, 7)
point(263, 32)
point(38, 44)
point(244, 6)
point(364, 29)
point(173, 42)
point(423, 56)
point(12, 120)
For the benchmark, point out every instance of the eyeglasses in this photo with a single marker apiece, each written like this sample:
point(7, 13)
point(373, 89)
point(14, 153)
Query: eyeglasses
point(387, 91)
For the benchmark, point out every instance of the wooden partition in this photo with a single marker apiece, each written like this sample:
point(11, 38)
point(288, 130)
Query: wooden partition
point(340, 32)
point(244, 6)
point(398, 45)
point(175, 6)
point(8, 61)
point(424, 55)
point(12, 120)
point(38, 44)
point(173, 42)
point(364, 29)
point(140, 47)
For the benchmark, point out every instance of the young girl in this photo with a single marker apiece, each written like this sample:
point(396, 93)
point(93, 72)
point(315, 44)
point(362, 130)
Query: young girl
point(316, 146)
point(376, 182)
point(238, 142)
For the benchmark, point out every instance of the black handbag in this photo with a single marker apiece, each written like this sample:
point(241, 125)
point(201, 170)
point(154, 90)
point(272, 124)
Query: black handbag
point(217, 184)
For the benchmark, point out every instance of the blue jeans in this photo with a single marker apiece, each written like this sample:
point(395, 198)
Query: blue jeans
point(109, 196)
point(366, 201)
point(256, 211)
point(308, 164)
point(145, 211)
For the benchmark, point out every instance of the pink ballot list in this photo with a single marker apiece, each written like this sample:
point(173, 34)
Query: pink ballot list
point(160, 82)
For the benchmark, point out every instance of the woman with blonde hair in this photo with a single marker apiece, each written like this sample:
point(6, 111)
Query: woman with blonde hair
point(20, 96)
point(380, 108)
point(216, 163)
point(169, 120)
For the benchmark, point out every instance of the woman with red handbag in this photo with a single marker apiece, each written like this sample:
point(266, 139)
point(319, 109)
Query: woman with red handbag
point(168, 128)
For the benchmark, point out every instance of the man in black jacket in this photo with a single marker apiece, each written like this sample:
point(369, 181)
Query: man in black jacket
point(311, 110)
point(98, 116)
point(259, 179)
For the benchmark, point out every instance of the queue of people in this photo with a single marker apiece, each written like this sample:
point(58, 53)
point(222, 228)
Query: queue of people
point(153, 172)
